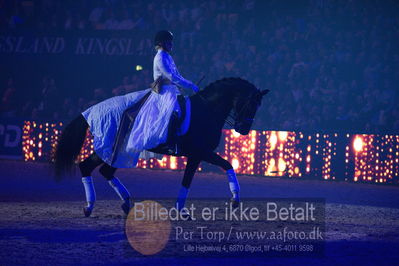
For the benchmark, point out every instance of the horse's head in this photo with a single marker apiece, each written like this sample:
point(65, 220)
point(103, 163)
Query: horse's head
point(247, 102)
point(235, 96)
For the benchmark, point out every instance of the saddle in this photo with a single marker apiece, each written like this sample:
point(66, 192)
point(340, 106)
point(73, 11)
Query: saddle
point(178, 126)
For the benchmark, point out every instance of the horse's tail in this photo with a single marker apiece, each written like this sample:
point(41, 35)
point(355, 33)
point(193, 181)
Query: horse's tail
point(69, 145)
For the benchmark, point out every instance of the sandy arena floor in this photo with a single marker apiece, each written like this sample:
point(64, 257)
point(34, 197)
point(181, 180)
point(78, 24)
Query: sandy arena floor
point(41, 221)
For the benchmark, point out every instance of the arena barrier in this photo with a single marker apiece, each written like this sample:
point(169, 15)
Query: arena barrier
point(327, 156)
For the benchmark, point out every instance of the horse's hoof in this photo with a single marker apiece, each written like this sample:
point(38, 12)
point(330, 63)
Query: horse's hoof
point(126, 206)
point(235, 203)
point(87, 211)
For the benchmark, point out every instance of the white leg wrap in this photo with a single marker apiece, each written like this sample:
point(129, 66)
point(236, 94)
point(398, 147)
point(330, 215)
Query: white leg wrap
point(119, 188)
point(181, 198)
point(233, 182)
point(89, 190)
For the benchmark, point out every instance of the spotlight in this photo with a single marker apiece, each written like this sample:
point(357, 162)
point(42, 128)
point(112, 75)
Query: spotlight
point(358, 144)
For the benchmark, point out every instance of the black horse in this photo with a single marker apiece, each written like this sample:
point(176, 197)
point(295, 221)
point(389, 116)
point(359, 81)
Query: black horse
point(233, 98)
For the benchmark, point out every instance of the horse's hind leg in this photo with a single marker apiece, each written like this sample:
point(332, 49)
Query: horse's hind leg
point(86, 168)
point(108, 172)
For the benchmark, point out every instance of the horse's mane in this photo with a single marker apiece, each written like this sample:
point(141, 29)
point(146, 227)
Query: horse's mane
point(238, 83)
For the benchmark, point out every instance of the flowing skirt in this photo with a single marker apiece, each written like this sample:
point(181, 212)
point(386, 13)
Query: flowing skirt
point(150, 127)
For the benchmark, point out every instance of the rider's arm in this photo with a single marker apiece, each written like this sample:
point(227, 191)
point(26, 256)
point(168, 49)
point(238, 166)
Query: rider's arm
point(171, 73)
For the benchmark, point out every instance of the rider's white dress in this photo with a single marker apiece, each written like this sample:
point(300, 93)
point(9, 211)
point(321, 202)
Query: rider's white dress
point(151, 124)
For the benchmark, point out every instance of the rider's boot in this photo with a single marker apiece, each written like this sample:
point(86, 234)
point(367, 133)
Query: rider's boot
point(172, 135)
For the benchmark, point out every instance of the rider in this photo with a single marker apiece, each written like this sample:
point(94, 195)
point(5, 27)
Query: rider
point(166, 75)
point(164, 66)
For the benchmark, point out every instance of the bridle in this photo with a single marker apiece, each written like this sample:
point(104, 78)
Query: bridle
point(233, 116)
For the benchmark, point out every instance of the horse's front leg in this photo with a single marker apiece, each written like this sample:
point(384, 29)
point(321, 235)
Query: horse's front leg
point(215, 159)
point(191, 168)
